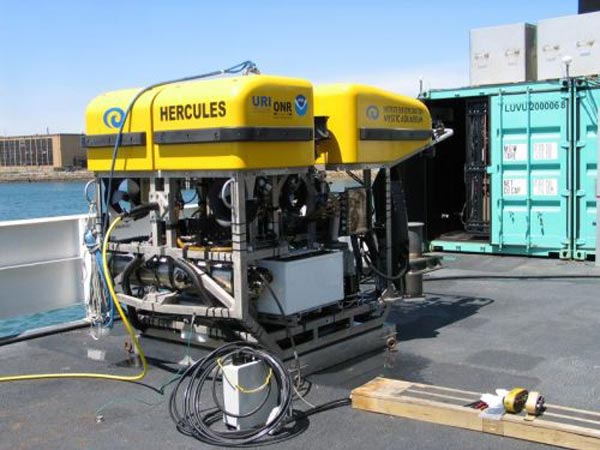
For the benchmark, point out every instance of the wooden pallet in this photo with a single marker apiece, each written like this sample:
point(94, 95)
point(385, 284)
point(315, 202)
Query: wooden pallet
point(559, 425)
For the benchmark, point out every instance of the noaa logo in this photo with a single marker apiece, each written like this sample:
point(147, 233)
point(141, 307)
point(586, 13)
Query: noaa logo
point(113, 117)
point(300, 105)
point(373, 112)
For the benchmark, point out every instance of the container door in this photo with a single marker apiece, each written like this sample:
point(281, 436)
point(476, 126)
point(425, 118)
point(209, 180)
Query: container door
point(529, 162)
point(587, 98)
point(476, 210)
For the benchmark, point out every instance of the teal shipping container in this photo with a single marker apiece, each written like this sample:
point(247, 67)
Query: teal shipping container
point(518, 177)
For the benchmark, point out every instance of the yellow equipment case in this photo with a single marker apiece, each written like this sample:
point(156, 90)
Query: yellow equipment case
point(235, 123)
point(370, 125)
point(103, 118)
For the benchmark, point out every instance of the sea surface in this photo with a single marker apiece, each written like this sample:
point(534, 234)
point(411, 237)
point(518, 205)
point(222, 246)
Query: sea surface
point(33, 200)
point(46, 199)
point(14, 326)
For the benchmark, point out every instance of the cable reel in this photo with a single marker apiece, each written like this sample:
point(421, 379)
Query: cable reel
point(515, 400)
point(535, 405)
point(518, 399)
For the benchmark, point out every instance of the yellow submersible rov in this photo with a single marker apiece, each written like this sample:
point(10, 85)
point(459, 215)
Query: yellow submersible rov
point(218, 221)
point(239, 233)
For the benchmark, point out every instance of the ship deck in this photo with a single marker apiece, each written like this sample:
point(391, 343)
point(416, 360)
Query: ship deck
point(475, 334)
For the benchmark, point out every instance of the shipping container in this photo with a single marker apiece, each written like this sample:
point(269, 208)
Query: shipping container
point(597, 208)
point(518, 176)
point(586, 97)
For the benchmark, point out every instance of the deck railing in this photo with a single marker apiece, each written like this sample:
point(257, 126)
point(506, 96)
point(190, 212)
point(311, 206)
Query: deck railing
point(41, 264)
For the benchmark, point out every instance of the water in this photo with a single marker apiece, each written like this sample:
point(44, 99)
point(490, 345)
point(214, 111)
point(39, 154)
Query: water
point(14, 326)
point(30, 201)
point(46, 199)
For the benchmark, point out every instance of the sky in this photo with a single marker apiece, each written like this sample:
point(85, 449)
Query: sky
point(56, 55)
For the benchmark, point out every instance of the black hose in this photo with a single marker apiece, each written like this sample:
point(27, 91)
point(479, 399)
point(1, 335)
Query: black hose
point(355, 178)
point(327, 406)
point(131, 266)
point(130, 239)
point(288, 332)
point(371, 264)
point(191, 273)
point(381, 274)
point(357, 255)
point(193, 419)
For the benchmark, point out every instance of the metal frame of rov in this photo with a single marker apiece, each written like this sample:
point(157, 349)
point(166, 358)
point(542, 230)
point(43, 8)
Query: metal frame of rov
point(209, 284)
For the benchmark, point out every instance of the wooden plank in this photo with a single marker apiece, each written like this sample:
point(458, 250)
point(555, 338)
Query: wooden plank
point(559, 426)
point(559, 435)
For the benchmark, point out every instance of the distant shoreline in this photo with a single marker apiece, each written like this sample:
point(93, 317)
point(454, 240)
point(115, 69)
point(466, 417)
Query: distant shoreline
point(40, 176)
point(37, 176)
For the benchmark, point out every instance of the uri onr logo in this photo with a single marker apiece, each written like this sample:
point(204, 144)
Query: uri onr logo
point(113, 117)
point(300, 105)
point(373, 112)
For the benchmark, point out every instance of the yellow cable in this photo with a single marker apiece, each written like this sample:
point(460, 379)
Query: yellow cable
point(242, 389)
point(128, 327)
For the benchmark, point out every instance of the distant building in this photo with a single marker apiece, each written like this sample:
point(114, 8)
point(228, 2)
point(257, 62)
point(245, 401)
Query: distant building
point(43, 151)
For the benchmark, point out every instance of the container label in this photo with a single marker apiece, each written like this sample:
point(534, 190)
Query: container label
point(545, 186)
point(543, 151)
point(514, 186)
point(515, 152)
point(535, 106)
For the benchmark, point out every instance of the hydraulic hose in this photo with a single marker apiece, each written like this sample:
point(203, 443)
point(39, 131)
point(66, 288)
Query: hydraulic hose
point(188, 269)
point(192, 418)
point(383, 275)
point(128, 327)
point(369, 259)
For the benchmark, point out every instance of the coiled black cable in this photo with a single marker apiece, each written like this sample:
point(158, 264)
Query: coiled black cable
point(192, 418)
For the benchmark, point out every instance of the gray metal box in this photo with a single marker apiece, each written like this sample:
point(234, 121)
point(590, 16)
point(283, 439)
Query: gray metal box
point(503, 54)
point(250, 375)
point(303, 282)
point(570, 37)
